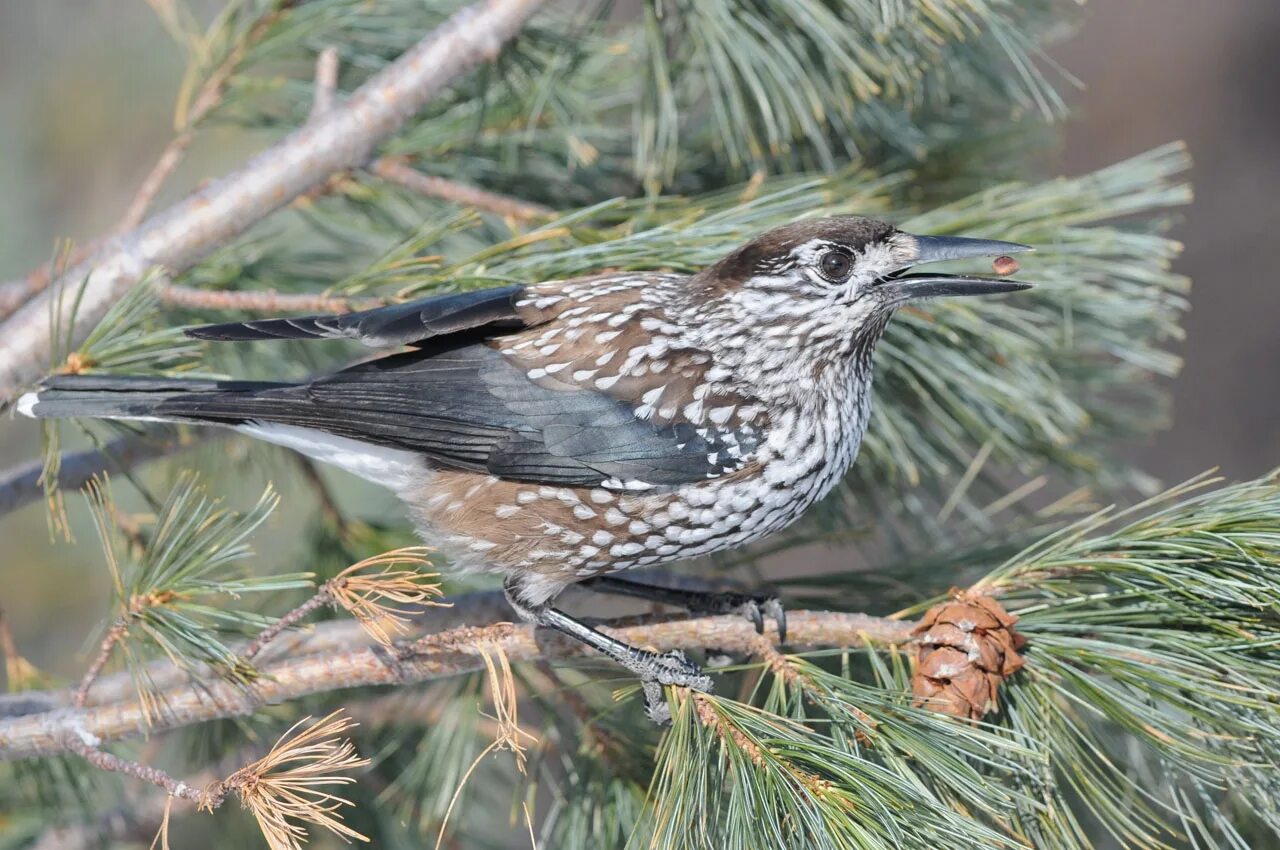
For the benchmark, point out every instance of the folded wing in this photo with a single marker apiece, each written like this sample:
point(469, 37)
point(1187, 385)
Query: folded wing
point(467, 407)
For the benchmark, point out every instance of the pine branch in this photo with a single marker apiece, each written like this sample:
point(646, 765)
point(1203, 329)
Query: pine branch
point(345, 137)
point(284, 789)
point(20, 485)
point(769, 84)
point(284, 679)
point(85, 745)
point(325, 639)
point(164, 595)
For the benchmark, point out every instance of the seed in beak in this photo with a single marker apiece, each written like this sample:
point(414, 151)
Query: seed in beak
point(1004, 266)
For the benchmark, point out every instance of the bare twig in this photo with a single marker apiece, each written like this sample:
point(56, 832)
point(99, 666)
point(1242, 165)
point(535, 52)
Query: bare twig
point(14, 293)
point(164, 166)
point(395, 171)
point(109, 641)
point(85, 745)
point(262, 301)
point(344, 138)
point(20, 485)
point(297, 615)
point(326, 84)
point(289, 677)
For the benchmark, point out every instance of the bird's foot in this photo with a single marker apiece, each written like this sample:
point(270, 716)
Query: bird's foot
point(753, 606)
point(657, 669)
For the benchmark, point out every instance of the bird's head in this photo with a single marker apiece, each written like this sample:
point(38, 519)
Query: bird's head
point(833, 283)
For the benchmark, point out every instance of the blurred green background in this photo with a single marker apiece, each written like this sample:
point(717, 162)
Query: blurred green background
point(86, 95)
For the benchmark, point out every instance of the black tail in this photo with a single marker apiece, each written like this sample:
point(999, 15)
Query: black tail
point(125, 397)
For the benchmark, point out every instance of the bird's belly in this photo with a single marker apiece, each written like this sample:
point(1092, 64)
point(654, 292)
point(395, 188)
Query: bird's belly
point(571, 533)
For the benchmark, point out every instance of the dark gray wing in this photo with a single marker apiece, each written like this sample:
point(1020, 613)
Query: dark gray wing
point(468, 407)
point(385, 327)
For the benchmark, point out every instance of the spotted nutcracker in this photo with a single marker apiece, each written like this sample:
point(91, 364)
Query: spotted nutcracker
point(566, 431)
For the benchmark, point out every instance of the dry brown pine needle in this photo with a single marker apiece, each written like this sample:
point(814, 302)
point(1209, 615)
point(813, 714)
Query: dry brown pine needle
point(966, 648)
point(383, 597)
point(509, 735)
point(289, 786)
point(506, 703)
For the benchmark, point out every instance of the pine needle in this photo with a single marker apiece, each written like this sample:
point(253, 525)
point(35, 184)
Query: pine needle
point(506, 703)
point(502, 689)
point(162, 834)
point(288, 787)
point(381, 597)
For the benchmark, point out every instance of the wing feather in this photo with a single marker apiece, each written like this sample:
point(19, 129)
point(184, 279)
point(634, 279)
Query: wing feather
point(385, 327)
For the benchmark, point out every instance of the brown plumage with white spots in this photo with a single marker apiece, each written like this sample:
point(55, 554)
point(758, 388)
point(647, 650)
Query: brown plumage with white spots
point(566, 431)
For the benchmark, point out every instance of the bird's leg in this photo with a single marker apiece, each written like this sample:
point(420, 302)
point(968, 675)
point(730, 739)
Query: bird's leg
point(654, 669)
point(754, 606)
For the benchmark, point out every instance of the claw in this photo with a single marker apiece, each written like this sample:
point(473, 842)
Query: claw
point(755, 609)
point(655, 703)
point(774, 609)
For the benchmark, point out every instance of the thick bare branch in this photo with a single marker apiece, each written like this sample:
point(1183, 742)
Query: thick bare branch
point(345, 137)
point(290, 677)
point(14, 292)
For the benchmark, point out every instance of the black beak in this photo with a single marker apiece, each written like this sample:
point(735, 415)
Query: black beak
point(935, 249)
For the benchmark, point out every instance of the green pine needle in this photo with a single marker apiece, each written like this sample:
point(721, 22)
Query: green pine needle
point(1161, 623)
point(732, 776)
point(173, 596)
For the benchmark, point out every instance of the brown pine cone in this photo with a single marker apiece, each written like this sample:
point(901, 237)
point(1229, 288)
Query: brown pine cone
point(966, 648)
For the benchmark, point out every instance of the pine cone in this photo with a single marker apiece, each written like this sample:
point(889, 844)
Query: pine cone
point(966, 648)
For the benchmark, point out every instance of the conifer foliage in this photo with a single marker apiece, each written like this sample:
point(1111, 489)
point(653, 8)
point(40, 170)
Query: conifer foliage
point(995, 668)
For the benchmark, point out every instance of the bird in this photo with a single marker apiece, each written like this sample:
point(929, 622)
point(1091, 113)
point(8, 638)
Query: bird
point(563, 432)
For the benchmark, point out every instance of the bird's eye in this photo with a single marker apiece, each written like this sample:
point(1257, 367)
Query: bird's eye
point(835, 266)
